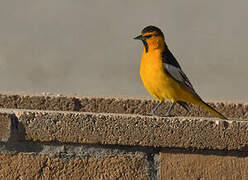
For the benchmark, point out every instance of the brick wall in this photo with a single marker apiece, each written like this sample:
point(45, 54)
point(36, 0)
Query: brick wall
point(73, 137)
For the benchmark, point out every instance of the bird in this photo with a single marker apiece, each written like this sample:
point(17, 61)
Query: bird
point(163, 77)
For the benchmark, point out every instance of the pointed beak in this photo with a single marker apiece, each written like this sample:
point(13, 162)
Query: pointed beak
point(140, 37)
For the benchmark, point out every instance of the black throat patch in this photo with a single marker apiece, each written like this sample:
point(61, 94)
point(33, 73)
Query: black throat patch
point(145, 44)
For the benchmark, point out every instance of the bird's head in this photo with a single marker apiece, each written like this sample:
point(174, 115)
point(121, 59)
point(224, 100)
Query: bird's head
point(152, 38)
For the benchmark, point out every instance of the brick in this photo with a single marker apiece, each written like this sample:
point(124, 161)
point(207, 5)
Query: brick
point(40, 166)
point(6, 120)
point(41, 102)
point(114, 105)
point(183, 165)
point(131, 130)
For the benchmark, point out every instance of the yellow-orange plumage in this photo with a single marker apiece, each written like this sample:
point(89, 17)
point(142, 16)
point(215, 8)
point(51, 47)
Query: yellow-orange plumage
point(162, 75)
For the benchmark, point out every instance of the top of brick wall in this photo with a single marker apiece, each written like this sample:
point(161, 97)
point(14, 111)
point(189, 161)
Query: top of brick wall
point(122, 105)
point(119, 121)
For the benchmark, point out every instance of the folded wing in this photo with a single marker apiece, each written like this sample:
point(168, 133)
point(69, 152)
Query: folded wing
point(174, 70)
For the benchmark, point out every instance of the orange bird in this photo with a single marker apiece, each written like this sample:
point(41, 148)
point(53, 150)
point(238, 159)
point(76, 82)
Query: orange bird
point(162, 75)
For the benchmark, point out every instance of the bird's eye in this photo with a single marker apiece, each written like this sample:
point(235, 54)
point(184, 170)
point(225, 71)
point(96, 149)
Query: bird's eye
point(148, 36)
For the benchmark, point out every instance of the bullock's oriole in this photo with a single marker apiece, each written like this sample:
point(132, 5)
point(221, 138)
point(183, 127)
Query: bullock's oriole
point(162, 75)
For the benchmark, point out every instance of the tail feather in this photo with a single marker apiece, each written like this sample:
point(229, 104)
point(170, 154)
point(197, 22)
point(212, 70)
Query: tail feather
point(212, 110)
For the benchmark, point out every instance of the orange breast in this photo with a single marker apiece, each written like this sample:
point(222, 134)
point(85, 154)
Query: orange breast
point(153, 75)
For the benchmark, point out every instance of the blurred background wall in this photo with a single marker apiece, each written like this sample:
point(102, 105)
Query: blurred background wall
point(87, 47)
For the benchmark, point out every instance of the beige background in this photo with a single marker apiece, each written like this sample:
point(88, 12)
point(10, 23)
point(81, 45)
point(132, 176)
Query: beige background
point(87, 47)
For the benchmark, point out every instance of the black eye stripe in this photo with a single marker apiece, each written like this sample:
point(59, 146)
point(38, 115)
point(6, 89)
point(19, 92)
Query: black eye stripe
point(148, 36)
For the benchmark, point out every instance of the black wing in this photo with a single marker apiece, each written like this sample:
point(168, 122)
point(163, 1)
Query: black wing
point(174, 70)
point(168, 58)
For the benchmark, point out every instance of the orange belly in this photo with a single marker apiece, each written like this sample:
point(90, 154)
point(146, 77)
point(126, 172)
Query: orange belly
point(158, 83)
point(152, 75)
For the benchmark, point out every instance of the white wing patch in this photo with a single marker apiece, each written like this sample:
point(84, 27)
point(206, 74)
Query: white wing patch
point(179, 76)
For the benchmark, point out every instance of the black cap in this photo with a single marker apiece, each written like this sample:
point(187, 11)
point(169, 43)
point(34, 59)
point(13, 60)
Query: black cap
point(152, 29)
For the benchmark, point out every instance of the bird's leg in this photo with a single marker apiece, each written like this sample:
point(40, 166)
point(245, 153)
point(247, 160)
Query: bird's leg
point(155, 108)
point(169, 110)
point(161, 115)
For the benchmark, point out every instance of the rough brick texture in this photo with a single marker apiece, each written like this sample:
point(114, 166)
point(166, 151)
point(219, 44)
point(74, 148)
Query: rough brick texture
point(6, 122)
point(131, 130)
point(113, 105)
point(57, 103)
point(39, 166)
point(73, 137)
point(186, 165)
